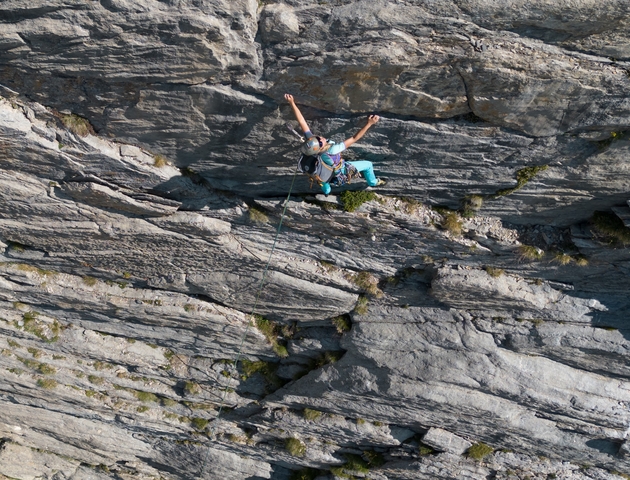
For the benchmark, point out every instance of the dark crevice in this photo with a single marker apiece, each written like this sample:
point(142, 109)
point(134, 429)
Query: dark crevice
point(89, 178)
point(24, 39)
point(14, 15)
point(470, 117)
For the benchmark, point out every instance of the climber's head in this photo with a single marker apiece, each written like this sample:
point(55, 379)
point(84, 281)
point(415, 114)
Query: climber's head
point(314, 145)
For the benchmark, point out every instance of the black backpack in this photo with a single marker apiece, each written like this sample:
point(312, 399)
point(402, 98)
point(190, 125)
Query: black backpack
point(317, 170)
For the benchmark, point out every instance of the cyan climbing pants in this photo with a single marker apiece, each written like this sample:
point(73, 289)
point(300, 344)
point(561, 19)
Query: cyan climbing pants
point(365, 168)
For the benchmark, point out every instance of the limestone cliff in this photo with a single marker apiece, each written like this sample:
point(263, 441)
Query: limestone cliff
point(468, 320)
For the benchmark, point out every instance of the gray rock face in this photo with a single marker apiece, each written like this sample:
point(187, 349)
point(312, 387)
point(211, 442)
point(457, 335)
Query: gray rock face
point(444, 441)
point(279, 23)
point(105, 198)
point(206, 94)
point(144, 173)
point(510, 294)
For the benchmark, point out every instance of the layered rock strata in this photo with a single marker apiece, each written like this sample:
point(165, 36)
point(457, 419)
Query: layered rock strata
point(144, 170)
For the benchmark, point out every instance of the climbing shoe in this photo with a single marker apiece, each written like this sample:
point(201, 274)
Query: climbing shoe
point(380, 182)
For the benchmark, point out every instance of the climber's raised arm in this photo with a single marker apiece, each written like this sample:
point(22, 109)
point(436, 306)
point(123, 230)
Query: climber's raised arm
point(296, 111)
point(371, 120)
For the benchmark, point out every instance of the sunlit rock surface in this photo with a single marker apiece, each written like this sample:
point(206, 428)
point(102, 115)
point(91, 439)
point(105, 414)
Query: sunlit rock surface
point(144, 171)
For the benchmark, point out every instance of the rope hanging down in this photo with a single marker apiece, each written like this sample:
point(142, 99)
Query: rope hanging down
point(240, 348)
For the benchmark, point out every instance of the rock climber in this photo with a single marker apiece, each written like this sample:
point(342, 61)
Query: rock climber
point(338, 171)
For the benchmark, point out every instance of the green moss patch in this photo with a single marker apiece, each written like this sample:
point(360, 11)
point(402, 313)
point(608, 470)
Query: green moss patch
point(47, 331)
point(528, 252)
point(311, 415)
point(40, 271)
point(295, 447)
point(306, 474)
point(272, 332)
point(494, 271)
point(257, 216)
point(451, 222)
point(266, 369)
point(76, 124)
point(159, 161)
point(199, 423)
point(191, 388)
point(355, 464)
point(523, 176)
point(325, 358)
point(46, 369)
point(562, 258)
point(581, 261)
point(352, 200)
point(47, 383)
point(361, 308)
point(367, 282)
point(95, 380)
point(146, 396)
point(424, 449)
point(342, 323)
point(479, 450)
point(611, 227)
point(89, 281)
point(471, 205)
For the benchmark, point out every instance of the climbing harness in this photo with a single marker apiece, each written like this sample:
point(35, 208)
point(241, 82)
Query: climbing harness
point(240, 348)
point(345, 175)
point(318, 170)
